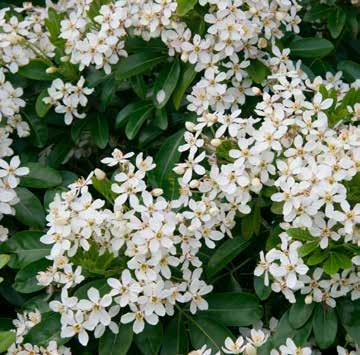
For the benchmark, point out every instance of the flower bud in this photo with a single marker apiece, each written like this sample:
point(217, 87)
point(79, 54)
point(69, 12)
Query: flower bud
point(256, 91)
point(215, 142)
point(51, 70)
point(65, 58)
point(308, 299)
point(262, 43)
point(180, 170)
point(157, 192)
point(100, 175)
point(194, 184)
point(190, 126)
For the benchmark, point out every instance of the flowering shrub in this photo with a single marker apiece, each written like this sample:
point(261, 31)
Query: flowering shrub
point(180, 177)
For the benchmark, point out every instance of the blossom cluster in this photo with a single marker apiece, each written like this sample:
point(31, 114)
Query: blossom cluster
point(24, 322)
point(144, 228)
point(10, 171)
point(67, 98)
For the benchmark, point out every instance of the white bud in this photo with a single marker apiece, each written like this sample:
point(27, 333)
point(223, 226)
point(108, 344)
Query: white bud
point(256, 91)
point(308, 299)
point(65, 58)
point(213, 211)
point(51, 70)
point(262, 43)
point(216, 142)
point(255, 182)
point(100, 175)
point(190, 126)
point(157, 192)
point(160, 96)
point(194, 184)
point(180, 170)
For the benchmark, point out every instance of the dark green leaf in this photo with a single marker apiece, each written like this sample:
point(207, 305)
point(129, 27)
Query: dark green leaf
point(150, 339)
point(116, 344)
point(300, 234)
point(60, 152)
point(41, 177)
point(41, 107)
point(308, 248)
point(137, 109)
point(104, 188)
point(349, 314)
point(136, 64)
point(136, 121)
point(36, 70)
point(25, 280)
point(39, 131)
point(300, 312)
point(234, 308)
point(26, 248)
point(206, 331)
point(175, 338)
point(165, 84)
point(53, 25)
point(311, 47)
point(251, 223)
point(317, 12)
point(138, 84)
point(324, 326)
point(262, 291)
point(161, 119)
point(350, 69)
point(47, 330)
point(101, 285)
point(100, 130)
point(336, 261)
point(187, 76)
point(336, 22)
point(224, 254)
point(29, 210)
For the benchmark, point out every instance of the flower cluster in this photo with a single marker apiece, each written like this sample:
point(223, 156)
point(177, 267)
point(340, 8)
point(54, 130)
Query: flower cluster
point(144, 230)
point(23, 324)
point(67, 98)
point(10, 121)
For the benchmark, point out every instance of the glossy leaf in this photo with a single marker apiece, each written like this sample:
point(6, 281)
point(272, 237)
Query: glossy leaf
point(187, 76)
point(135, 122)
point(350, 69)
point(150, 339)
point(99, 128)
point(324, 326)
point(41, 107)
point(349, 314)
point(311, 47)
point(234, 308)
point(41, 177)
point(29, 210)
point(300, 313)
point(262, 291)
point(135, 109)
point(36, 70)
point(6, 339)
point(336, 22)
point(175, 338)
point(224, 254)
point(116, 344)
point(184, 6)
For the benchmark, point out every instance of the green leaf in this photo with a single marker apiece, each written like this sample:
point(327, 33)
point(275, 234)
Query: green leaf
point(325, 326)
point(317, 258)
point(165, 160)
point(258, 71)
point(350, 69)
point(25, 280)
point(29, 210)
point(138, 84)
point(336, 22)
point(187, 76)
point(41, 177)
point(336, 261)
point(205, 331)
point(349, 314)
point(161, 119)
point(47, 330)
point(50, 195)
point(316, 12)
point(36, 70)
point(175, 338)
point(136, 64)
point(150, 339)
point(308, 248)
point(311, 47)
point(166, 83)
point(262, 291)
point(284, 330)
point(26, 248)
point(53, 25)
point(184, 6)
point(60, 152)
point(136, 121)
point(77, 127)
point(224, 254)
point(300, 234)
point(41, 107)
point(38, 128)
point(101, 285)
point(99, 128)
point(251, 223)
point(137, 109)
point(6, 339)
point(4, 259)
point(234, 308)
point(300, 313)
point(107, 94)
point(116, 344)
point(104, 188)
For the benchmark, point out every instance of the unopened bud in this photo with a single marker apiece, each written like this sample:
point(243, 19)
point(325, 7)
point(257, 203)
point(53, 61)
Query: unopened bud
point(51, 70)
point(194, 184)
point(100, 175)
point(216, 142)
point(190, 126)
point(255, 182)
point(256, 91)
point(279, 15)
point(157, 192)
point(180, 170)
point(308, 299)
point(65, 58)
